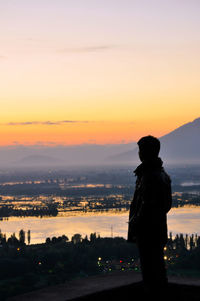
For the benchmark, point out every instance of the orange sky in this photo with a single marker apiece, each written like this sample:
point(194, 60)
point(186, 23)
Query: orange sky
point(79, 132)
point(117, 70)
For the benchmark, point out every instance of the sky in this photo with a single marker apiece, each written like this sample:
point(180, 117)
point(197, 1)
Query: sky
point(91, 71)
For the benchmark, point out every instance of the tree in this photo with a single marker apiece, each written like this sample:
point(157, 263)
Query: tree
point(29, 236)
point(182, 242)
point(22, 236)
point(12, 240)
point(85, 239)
point(192, 242)
point(76, 238)
point(93, 237)
point(1, 237)
point(198, 242)
point(48, 240)
point(65, 238)
point(54, 239)
point(186, 241)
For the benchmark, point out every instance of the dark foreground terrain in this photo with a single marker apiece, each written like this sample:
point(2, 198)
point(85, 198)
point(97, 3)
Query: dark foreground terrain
point(114, 286)
point(137, 292)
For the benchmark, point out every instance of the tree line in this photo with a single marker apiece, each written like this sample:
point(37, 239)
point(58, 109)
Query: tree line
point(13, 240)
point(26, 267)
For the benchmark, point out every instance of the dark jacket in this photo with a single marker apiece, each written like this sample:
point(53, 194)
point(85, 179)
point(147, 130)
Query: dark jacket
point(151, 202)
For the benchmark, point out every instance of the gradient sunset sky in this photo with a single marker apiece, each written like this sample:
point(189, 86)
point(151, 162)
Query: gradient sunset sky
point(97, 71)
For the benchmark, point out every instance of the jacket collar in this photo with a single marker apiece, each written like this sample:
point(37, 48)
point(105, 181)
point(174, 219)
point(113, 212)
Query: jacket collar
point(149, 165)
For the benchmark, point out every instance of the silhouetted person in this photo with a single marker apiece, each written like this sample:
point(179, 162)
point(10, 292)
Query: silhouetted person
point(148, 211)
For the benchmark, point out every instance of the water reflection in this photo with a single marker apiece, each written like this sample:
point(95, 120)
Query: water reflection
point(190, 183)
point(184, 220)
point(180, 220)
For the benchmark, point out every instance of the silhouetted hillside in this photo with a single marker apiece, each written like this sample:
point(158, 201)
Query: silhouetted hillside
point(179, 146)
point(183, 144)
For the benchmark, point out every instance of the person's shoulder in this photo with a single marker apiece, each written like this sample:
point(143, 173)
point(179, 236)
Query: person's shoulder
point(150, 177)
point(165, 176)
point(156, 177)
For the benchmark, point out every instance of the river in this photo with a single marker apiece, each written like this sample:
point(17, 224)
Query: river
point(112, 223)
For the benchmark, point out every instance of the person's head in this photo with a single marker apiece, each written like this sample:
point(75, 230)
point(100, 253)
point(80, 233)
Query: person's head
point(149, 148)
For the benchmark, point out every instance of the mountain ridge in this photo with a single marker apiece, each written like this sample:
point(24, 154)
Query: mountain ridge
point(85, 154)
point(182, 145)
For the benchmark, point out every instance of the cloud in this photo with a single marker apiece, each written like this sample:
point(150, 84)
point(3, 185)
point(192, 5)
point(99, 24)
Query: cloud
point(63, 122)
point(21, 123)
point(48, 122)
point(87, 49)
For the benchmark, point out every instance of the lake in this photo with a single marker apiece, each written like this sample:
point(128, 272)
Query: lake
point(180, 220)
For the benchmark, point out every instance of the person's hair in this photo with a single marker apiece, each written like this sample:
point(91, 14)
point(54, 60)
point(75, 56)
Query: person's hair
point(149, 147)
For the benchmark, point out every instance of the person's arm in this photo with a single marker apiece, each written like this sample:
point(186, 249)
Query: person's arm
point(132, 210)
point(131, 223)
point(150, 197)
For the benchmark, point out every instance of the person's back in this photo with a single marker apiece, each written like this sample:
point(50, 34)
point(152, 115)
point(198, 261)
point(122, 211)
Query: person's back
point(152, 198)
point(147, 218)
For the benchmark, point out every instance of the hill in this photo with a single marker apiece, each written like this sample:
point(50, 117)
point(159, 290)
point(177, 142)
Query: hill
point(61, 155)
point(38, 160)
point(181, 146)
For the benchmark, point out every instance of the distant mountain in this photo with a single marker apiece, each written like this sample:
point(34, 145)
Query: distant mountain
point(179, 146)
point(39, 160)
point(85, 154)
point(183, 144)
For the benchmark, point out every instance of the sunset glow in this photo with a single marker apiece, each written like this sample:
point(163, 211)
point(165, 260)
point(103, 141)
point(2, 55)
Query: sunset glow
point(74, 72)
